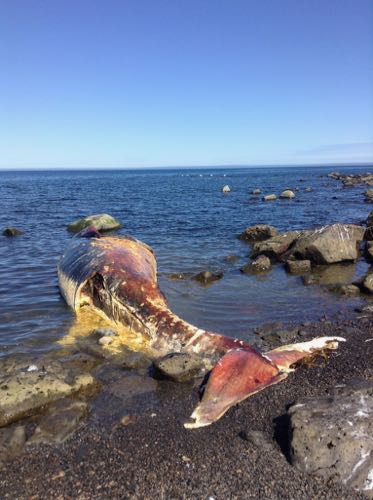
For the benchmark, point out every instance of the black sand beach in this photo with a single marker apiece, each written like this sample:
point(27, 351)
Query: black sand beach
point(155, 457)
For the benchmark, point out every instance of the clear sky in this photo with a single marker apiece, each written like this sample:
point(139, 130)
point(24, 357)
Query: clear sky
point(127, 83)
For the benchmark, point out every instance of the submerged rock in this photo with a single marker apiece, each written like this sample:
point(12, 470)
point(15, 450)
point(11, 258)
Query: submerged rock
point(298, 266)
point(350, 290)
point(102, 222)
point(333, 436)
point(12, 441)
point(60, 422)
point(276, 246)
point(259, 232)
point(330, 244)
point(208, 277)
point(259, 265)
point(12, 231)
point(256, 191)
point(181, 367)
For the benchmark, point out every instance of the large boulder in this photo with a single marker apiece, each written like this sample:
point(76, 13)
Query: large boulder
point(276, 246)
point(332, 436)
point(102, 222)
point(259, 232)
point(330, 244)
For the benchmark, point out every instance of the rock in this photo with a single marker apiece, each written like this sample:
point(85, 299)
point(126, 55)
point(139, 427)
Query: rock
point(102, 222)
point(368, 234)
point(370, 219)
point(276, 246)
point(350, 290)
point(207, 277)
point(103, 332)
point(259, 265)
point(181, 367)
point(369, 250)
point(334, 175)
point(23, 393)
point(128, 387)
point(308, 190)
point(298, 266)
point(330, 244)
point(60, 422)
point(231, 259)
point(369, 195)
point(178, 276)
point(333, 436)
point(365, 309)
point(106, 340)
point(226, 189)
point(368, 283)
point(259, 232)
point(279, 336)
point(12, 441)
point(127, 420)
point(336, 274)
point(270, 197)
point(287, 194)
point(131, 360)
point(256, 191)
point(12, 231)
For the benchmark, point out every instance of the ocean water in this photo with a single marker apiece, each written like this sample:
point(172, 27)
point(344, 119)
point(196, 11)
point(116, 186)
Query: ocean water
point(191, 225)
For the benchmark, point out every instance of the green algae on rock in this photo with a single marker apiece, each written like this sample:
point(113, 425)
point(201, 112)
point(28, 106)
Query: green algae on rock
point(102, 222)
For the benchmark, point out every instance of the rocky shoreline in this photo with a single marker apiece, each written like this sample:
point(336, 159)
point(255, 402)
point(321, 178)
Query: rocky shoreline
point(132, 444)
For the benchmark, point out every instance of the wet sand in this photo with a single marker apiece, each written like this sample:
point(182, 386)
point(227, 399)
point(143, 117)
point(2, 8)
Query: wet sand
point(155, 457)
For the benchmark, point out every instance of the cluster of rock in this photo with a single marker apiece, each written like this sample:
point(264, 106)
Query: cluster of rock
point(312, 250)
point(102, 222)
point(353, 179)
point(288, 194)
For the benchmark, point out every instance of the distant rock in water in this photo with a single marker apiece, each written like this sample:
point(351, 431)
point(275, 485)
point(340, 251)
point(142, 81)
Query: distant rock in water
point(332, 436)
point(353, 179)
point(12, 231)
point(270, 197)
point(207, 277)
point(226, 189)
point(256, 191)
point(308, 190)
point(287, 194)
point(102, 222)
point(259, 232)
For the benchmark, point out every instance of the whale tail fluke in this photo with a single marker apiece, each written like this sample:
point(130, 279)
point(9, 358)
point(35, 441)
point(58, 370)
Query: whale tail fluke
point(238, 375)
point(242, 373)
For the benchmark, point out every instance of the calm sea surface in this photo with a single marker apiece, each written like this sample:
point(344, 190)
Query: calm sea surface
point(191, 225)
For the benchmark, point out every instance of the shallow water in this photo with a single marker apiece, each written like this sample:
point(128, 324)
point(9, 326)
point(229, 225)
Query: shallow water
point(190, 224)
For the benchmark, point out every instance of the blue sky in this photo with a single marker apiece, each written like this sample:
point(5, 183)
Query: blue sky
point(142, 83)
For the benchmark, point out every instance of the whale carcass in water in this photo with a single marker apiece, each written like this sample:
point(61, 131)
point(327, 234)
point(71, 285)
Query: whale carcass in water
point(117, 276)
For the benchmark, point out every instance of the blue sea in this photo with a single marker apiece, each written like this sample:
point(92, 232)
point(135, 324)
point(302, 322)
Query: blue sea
point(191, 225)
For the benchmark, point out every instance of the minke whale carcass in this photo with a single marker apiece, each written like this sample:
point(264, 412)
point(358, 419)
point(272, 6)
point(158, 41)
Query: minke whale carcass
point(117, 277)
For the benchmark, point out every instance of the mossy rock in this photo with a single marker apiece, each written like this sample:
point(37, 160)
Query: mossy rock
point(102, 222)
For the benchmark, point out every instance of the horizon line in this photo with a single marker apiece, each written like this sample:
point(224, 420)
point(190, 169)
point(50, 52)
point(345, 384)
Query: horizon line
point(189, 167)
